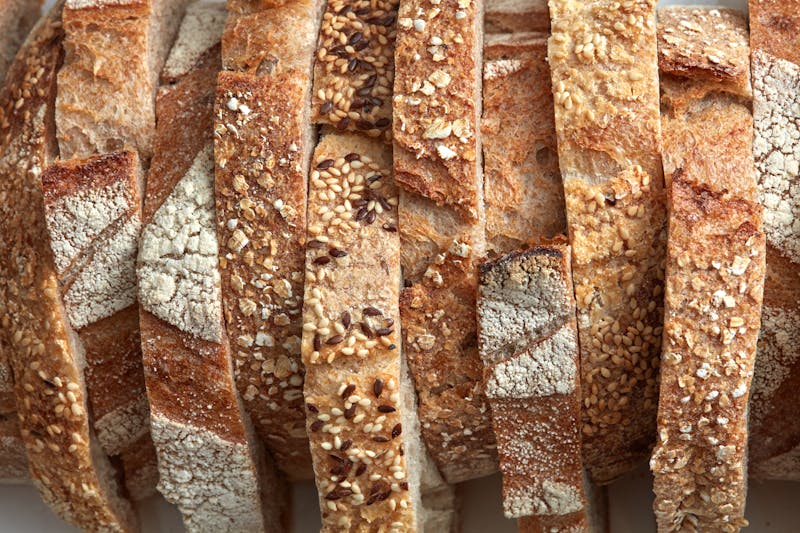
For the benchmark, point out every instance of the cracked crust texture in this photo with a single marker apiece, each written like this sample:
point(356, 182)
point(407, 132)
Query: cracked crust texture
point(524, 195)
point(516, 16)
point(351, 341)
point(529, 345)
point(208, 461)
point(774, 434)
point(65, 461)
point(715, 274)
point(263, 143)
point(436, 108)
point(602, 56)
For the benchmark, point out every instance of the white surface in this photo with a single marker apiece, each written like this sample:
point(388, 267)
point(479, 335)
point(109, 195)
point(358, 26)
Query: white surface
point(772, 507)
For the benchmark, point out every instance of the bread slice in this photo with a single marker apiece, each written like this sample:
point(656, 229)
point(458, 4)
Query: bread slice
point(351, 342)
point(17, 17)
point(774, 433)
point(65, 461)
point(715, 271)
point(524, 195)
point(436, 108)
point(517, 16)
point(608, 145)
point(264, 140)
point(354, 70)
point(208, 460)
point(529, 345)
point(114, 50)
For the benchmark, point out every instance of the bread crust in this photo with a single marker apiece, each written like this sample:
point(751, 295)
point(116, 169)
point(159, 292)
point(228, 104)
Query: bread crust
point(774, 445)
point(714, 282)
point(351, 343)
point(65, 462)
point(263, 141)
point(529, 345)
point(602, 57)
point(524, 195)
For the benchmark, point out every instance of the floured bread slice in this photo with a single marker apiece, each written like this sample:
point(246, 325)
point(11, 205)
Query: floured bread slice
point(774, 451)
point(529, 344)
point(207, 457)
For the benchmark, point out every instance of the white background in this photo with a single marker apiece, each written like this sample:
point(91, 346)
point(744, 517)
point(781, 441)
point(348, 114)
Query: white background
point(771, 508)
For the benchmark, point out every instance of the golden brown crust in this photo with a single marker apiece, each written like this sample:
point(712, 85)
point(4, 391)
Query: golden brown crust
point(605, 81)
point(262, 146)
point(529, 345)
point(516, 16)
point(524, 196)
point(354, 70)
point(72, 475)
point(774, 25)
point(437, 102)
point(706, 47)
point(774, 432)
point(350, 342)
point(714, 286)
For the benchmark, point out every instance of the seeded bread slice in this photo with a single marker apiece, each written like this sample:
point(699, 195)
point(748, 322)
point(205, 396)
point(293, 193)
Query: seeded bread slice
point(436, 108)
point(715, 272)
point(354, 70)
point(264, 140)
point(523, 191)
point(774, 451)
point(351, 342)
point(65, 460)
point(608, 147)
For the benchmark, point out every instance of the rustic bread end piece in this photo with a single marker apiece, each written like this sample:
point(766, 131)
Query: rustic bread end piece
point(351, 342)
point(65, 461)
point(264, 140)
point(609, 156)
point(714, 280)
point(523, 191)
point(774, 451)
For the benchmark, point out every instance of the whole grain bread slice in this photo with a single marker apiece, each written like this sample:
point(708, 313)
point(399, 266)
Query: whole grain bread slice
point(774, 451)
point(264, 140)
point(715, 271)
point(608, 145)
point(65, 460)
point(437, 154)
